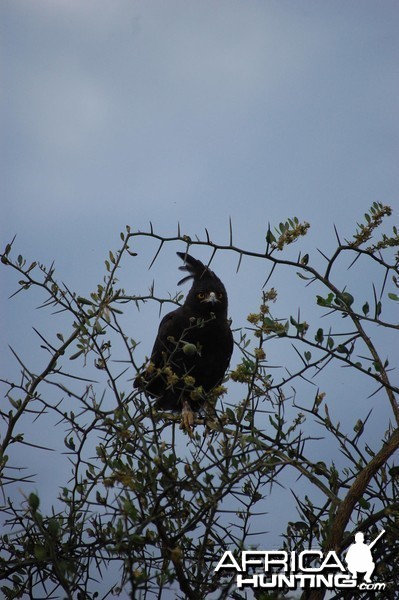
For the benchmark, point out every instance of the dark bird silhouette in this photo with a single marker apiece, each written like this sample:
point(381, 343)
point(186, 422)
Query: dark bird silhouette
point(193, 347)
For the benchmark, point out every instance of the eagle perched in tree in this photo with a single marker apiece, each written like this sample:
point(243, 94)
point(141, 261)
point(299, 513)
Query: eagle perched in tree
point(193, 347)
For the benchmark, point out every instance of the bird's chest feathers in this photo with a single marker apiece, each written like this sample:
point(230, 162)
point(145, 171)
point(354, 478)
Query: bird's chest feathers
point(205, 331)
point(208, 335)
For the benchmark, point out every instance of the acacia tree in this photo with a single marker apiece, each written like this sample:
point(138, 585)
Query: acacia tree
point(144, 508)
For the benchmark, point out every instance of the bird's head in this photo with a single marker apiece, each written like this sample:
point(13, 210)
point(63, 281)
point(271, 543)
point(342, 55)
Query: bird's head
point(207, 299)
point(208, 294)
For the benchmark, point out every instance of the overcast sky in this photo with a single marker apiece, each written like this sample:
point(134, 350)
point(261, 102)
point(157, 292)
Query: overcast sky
point(123, 112)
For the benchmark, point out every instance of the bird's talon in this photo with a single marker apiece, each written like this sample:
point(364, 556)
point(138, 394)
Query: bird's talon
point(187, 418)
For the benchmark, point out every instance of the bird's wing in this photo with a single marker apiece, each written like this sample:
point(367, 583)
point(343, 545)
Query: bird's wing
point(171, 326)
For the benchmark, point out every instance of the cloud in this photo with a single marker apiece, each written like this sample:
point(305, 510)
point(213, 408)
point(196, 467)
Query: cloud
point(148, 104)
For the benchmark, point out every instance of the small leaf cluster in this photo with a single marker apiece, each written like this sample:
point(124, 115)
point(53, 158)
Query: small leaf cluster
point(286, 233)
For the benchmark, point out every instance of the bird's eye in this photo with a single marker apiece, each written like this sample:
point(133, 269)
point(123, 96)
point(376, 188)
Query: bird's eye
point(220, 295)
point(201, 295)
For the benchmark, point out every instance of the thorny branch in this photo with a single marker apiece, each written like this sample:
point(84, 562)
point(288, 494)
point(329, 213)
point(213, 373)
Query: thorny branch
point(163, 509)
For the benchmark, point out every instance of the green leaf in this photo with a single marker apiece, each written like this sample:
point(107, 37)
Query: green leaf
point(393, 297)
point(70, 443)
point(268, 321)
point(305, 259)
point(76, 355)
point(53, 527)
point(341, 349)
point(32, 266)
point(40, 552)
point(364, 504)
point(82, 300)
point(325, 301)
point(33, 502)
point(274, 424)
point(319, 337)
point(304, 276)
point(359, 426)
point(366, 308)
point(230, 414)
point(394, 472)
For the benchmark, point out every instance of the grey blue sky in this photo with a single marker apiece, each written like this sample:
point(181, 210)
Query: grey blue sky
point(121, 112)
point(124, 112)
